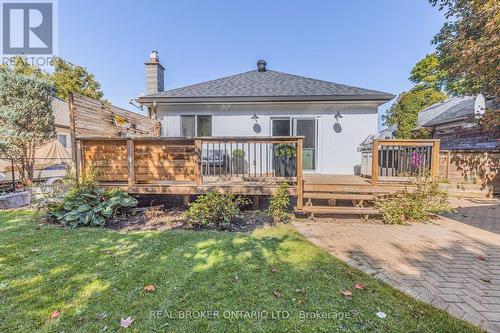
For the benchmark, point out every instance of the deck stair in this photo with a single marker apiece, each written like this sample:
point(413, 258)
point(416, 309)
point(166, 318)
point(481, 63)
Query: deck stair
point(361, 195)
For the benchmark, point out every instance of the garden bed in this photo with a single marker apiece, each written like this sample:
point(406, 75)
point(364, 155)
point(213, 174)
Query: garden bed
point(174, 218)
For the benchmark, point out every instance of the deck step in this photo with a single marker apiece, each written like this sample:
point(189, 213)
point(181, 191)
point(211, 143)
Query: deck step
point(360, 189)
point(338, 196)
point(339, 210)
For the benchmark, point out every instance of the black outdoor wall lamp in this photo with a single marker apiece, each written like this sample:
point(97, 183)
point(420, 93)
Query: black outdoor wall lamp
point(338, 115)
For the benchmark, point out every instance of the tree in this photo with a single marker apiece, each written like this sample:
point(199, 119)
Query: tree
point(429, 81)
point(76, 79)
point(468, 44)
point(26, 119)
point(66, 77)
point(404, 112)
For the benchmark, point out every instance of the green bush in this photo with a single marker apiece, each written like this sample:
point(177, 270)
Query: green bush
point(285, 150)
point(215, 208)
point(279, 204)
point(423, 199)
point(89, 205)
point(238, 153)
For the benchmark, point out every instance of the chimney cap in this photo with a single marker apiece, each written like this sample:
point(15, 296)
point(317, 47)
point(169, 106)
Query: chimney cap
point(261, 65)
point(154, 56)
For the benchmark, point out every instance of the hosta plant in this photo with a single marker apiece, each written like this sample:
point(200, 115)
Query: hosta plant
point(90, 206)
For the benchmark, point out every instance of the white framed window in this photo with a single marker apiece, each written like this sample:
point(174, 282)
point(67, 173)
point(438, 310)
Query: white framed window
point(199, 125)
point(281, 126)
point(63, 140)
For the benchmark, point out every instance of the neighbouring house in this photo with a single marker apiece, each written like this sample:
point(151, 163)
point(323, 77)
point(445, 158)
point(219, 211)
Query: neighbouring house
point(61, 114)
point(469, 155)
point(333, 118)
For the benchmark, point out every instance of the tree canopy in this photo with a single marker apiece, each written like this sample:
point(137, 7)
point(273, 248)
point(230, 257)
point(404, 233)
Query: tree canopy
point(468, 45)
point(65, 77)
point(429, 81)
point(26, 119)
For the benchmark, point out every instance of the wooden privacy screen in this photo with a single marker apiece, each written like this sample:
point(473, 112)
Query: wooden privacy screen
point(108, 158)
point(92, 118)
point(141, 161)
point(471, 167)
point(165, 160)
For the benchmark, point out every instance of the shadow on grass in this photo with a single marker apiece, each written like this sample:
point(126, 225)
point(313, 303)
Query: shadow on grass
point(266, 281)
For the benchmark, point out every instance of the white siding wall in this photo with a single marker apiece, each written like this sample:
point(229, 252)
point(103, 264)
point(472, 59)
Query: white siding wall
point(337, 152)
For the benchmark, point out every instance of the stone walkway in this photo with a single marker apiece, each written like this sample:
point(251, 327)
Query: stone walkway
point(453, 263)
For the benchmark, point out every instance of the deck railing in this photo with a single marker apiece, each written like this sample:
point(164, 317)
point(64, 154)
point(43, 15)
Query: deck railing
point(205, 160)
point(394, 159)
point(249, 158)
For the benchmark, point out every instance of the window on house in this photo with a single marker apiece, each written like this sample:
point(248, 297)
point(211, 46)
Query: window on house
point(192, 126)
point(204, 125)
point(63, 139)
point(188, 126)
point(281, 127)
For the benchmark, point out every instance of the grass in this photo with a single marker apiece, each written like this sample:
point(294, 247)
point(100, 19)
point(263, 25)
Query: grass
point(94, 277)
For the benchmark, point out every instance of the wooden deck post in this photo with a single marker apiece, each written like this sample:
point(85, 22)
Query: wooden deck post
point(435, 160)
point(197, 168)
point(300, 181)
point(375, 163)
point(131, 162)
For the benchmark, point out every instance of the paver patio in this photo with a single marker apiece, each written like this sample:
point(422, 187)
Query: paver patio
point(452, 263)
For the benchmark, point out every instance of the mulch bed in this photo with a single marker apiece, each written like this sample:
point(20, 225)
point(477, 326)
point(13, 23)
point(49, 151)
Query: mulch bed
point(158, 218)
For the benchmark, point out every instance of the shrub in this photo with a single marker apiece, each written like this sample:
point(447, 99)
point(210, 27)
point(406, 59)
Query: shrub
point(238, 153)
point(426, 198)
point(89, 205)
point(215, 208)
point(285, 150)
point(279, 204)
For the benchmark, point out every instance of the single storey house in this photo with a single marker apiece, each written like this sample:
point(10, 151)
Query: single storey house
point(333, 118)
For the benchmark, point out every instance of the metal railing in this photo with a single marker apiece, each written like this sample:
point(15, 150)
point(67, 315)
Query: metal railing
point(249, 158)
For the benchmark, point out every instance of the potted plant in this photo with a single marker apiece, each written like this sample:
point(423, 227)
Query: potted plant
point(238, 161)
point(285, 160)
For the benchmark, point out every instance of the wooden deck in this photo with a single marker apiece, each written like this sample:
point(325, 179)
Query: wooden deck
point(252, 166)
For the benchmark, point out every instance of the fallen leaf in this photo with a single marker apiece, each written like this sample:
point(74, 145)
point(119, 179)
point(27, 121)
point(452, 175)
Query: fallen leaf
point(350, 273)
point(359, 286)
point(125, 323)
point(274, 270)
point(277, 294)
point(236, 277)
point(481, 257)
point(346, 293)
point(150, 288)
point(300, 290)
point(54, 315)
point(381, 315)
point(485, 279)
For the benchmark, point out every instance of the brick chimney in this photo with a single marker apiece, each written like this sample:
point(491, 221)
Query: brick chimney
point(154, 74)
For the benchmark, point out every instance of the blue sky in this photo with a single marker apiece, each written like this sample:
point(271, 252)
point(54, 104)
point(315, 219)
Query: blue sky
point(371, 44)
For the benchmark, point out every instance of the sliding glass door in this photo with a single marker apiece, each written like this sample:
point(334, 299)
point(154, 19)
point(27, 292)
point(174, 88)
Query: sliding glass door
point(306, 127)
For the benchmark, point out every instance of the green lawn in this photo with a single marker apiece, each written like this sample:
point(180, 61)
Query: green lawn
point(94, 277)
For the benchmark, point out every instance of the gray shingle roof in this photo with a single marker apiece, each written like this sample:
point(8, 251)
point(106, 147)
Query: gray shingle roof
point(452, 109)
point(270, 85)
